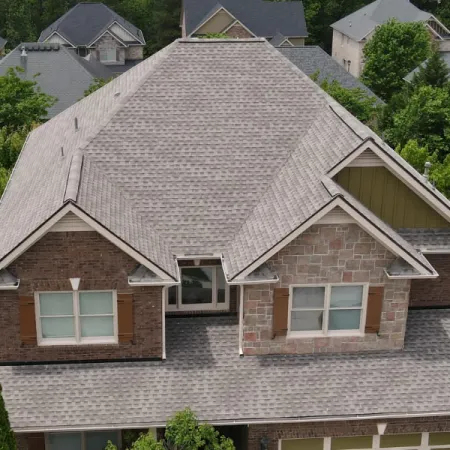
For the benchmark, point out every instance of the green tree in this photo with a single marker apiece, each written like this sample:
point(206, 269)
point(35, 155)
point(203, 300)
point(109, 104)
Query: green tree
point(434, 72)
point(21, 102)
point(7, 439)
point(426, 119)
point(183, 432)
point(395, 49)
point(415, 155)
point(357, 101)
point(95, 85)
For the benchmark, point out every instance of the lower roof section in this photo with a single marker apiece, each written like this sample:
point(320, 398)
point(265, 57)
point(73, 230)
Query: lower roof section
point(204, 371)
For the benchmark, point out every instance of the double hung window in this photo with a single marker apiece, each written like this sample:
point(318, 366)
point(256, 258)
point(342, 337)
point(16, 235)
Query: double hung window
point(108, 55)
point(67, 318)
point(330, 309)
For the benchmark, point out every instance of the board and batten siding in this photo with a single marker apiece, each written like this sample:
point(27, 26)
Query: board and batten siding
point(389, 198)
point(216, 24)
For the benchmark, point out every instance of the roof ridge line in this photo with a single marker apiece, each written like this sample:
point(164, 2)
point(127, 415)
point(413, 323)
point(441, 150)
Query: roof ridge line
point(74, 177)
point(75, 57)
point(162, 54)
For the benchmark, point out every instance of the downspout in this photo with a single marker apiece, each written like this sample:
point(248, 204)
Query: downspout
point(163, 312)
point(241, 318)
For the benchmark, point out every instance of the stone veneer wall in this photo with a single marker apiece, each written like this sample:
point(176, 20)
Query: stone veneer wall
point(48, 265)
point(327, 254)
point(135, 52)
point(431, 293)
point(274, 432)
point(107, 42)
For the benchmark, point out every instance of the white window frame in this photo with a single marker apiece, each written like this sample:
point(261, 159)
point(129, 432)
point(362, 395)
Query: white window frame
point(83, 436)
point(213, 306)
point(424, 445)
point(326, 308)
point(77, 340)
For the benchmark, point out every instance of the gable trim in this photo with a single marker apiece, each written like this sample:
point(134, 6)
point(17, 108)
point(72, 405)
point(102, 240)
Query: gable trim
point(70, 207)
point(128, 31)
point(62, 37)
point(209, 18)
point(238, 22)
point(288, 41)
point(428, 195)
point(112, 35)
point(361, 220)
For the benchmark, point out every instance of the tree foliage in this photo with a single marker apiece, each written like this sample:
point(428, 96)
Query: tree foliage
point(395, 49)
point(433, 73)
point(7, 439)
point(183, 432)
point(95, 85)
point(21, 101)
point(357, 101)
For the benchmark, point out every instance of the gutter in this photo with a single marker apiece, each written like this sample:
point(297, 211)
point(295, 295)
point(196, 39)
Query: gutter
point(241, 319)
point(286, 420)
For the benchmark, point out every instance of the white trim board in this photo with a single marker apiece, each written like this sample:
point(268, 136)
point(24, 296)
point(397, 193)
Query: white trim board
point(237, 22)
point(424, 192)
point(70, 207)
point(127, 31)
point(62, 37)
point(364, 223)
point(109, 32)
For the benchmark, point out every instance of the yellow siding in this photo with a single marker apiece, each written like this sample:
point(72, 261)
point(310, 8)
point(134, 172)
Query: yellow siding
point(297, 42)
point(389, 198)
point(216, 24)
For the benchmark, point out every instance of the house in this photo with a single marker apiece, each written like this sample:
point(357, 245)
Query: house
point(58, 71)
point(351, 33)
point(2, 46)
point(259, 271)
point(95, 31)
point(282, 23)
point(311, 60)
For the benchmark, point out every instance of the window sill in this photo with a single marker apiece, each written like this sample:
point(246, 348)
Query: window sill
point(74, 343)
point(309, 335)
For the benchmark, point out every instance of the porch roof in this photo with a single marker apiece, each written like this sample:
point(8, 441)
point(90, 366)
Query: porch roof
point(204, 371)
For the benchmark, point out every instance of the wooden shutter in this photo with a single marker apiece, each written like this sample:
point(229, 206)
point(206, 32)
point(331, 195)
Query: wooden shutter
point(280, 311)
point(27, 319)
point(374, 308)
point(97, 54)
point(36, 441)
point(117, 54)
point(125, 316)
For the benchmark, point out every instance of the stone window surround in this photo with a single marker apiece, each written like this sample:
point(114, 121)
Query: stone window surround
point(77, 340)
point(326, 308)
point(376, 443)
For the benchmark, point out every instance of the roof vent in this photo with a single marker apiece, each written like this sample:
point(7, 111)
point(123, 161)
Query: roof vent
point(24, 52)
point(426, 172)
point(76, 123)
point(62, 151)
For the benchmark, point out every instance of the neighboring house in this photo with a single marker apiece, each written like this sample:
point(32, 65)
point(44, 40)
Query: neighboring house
point(445, 56)
point(2, 46)
point(58, 71)
point(172, 192)
point(95, 31)
point(313, 59)
point(281, 23)
point(351, 33)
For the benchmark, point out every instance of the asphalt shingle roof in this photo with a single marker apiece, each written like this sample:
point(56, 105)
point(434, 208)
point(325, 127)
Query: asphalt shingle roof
point(203, 370)
point(445, 56)
point(87, 21)
point(180, 155)
point(313, 59)
point(264, 18)
point(60, 72)
point(430, 239)
point(360, 23)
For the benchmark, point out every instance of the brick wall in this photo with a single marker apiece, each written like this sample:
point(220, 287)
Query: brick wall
point(433, 292)
point(107, 42)
point(275, 432)
point(327, 254)
point(48, 265)
point(136, 52)
point(238, 31)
